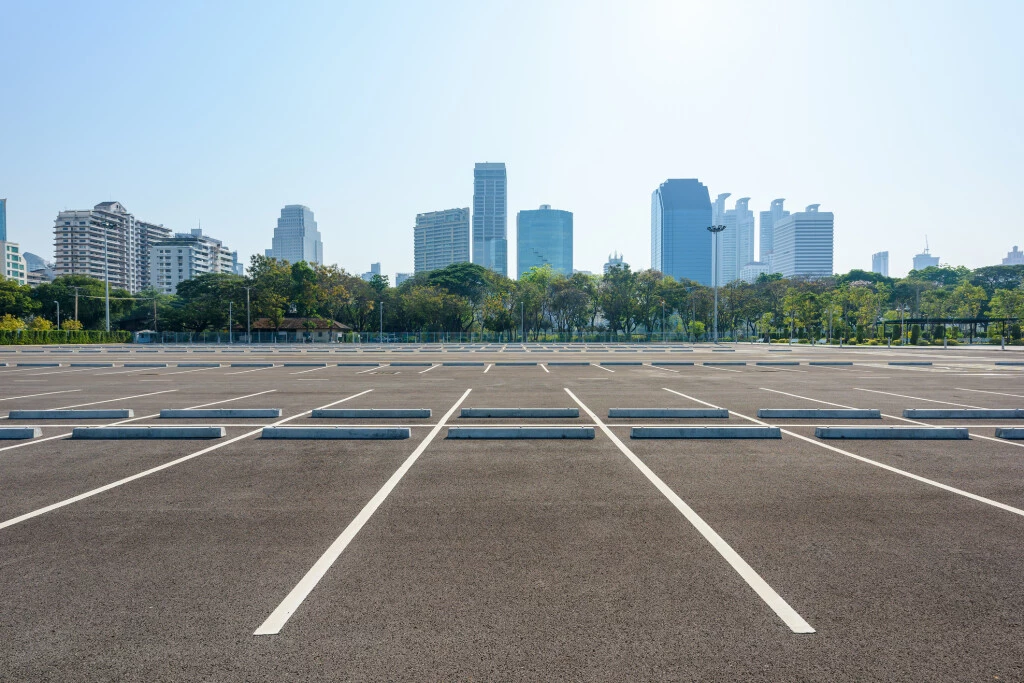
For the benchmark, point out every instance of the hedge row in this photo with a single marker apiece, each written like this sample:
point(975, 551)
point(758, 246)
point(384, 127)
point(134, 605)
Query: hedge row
point(25, 337)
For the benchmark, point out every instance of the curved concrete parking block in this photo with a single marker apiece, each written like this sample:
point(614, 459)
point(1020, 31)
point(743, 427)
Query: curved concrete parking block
point(336, 433)
point(724, 362)
point(357, 413)
point(1010, 433)
point(520, 412)
point(777, 362)
point(508, 433)
point(70, 414)
point(893, 433)
point(252, 365)
point(145, 365)
point(705, 433)
point(221, 413)
point(7, 433)
point(910, 362)
point(147, 433)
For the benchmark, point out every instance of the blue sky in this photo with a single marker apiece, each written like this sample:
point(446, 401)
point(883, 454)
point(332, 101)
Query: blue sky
point(904, 118)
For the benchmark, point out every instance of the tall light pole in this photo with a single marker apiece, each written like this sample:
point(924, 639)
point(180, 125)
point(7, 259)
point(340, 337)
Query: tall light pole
point(106, 276)
point(522, 319)
point(231, 339)
point(248, 319)
point(58, 314)
point(381, 340)
point(714, 230)
point(662, 321)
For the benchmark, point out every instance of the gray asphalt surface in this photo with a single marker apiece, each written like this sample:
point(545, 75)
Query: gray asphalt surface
point(513, 560)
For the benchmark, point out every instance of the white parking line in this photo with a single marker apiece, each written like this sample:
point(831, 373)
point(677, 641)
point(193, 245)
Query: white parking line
point(488, 368)
point(122, 372)
point(112, 400)
point(229, 400)
point(280, 616)
point(436, 365)
point(775, 601)
point(813, 400)
point(371, 369)
point(303, 372)
point(695, 400)
point(58, 372)
point(916, 398)
point(242, 372)
point(158, 468)
point(710, 367)
point(545, 368)
point(600, 367)
point(977, 391)
point(45, 393)
point(183, 372)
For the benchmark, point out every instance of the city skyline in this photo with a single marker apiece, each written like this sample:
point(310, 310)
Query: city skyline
point(876, 137)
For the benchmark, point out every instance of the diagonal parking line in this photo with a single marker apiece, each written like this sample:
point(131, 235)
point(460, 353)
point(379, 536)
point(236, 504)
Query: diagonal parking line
point(112, 400)
point(158, 468)
point(977, 391)
point(916, 398)
point(771, 598)
point(45, 393)
point(280, 616)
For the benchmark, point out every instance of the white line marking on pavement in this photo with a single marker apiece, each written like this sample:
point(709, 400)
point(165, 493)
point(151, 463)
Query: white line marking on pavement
point(58, 372)
point(371, 369)
point(709, 367)
point(904, 473)
point(813, 400)
point(158, 468)
point(545, 368)
point(978, 391)
point(112, 400)
point(915, 398)
point(436, 365)
point(242, 372)
point(279, 617)
point(183, 372)
point(229, 400)
point(775, 601)
point(653, 367)
point(696, 400)
point(601, 367)
point(303, 372)
point(123, 372)
point(45, 393)
point(488, 368)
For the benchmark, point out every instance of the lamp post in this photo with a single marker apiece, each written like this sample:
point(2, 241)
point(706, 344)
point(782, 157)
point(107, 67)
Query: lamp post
point(381, 340)
point(248, 319)
point(106, 276)
point(58, 314)
point(662, 321)
point(714, 230)
point(522, 319)
point(230, 335)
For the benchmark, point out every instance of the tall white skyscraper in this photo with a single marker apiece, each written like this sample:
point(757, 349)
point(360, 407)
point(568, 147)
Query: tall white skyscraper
point(615, 260)
point(1014, 258)
point(185, 256)
point(880, 263)
point(925, 258)
point(490, 217)
point(736, 242)
point(804, 244)
point(296, 237)
point(768, 220)
point(440, 239)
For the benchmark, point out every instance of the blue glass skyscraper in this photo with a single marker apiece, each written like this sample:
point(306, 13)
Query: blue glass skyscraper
point(680, 241)
point(296, 237)
point(3, 220)
point(544, 237)
point(490, 213)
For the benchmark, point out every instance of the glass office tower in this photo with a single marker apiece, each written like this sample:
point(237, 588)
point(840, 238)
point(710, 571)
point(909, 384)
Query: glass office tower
point(296, 237)
point(3, 220)
point(680, 241)
point(490, 217)
point(544, 237)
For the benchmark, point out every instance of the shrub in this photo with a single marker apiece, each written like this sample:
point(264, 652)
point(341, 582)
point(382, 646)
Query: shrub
point(915, 334)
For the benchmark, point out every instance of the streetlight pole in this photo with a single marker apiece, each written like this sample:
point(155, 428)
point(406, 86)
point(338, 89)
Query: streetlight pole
point(714, 230)
point(230, 336)
point(58, 314)
point(381, 340)
point(663, 321)
point(106, 276)
point(248, 319)
point(522, 319)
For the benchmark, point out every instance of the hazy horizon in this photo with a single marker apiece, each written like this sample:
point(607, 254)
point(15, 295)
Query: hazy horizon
point(899, 118)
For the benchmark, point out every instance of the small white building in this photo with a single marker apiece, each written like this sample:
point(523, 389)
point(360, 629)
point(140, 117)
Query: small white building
point(751, 271)
point(1014, 258)
point(185, 256)
point(13, 265)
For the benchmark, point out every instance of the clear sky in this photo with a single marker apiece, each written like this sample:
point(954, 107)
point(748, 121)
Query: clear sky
point(904, 118)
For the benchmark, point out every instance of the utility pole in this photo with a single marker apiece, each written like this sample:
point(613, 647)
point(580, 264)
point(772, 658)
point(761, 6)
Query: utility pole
point(522, 318)
point(663, 321)
point(58, 314)
point(714, 230)
point(381, 340)
point(154, 315)
point(76, 303)
point(230, 338)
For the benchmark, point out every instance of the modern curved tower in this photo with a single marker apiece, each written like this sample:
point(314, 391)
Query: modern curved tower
point(680, 242)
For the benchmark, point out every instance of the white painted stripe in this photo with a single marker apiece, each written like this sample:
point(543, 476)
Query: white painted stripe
point(429, 369)
point(182, 372)
point(303, 372)
point(545, 368)
point(158, 468)
point(653, 367)
point(58, 372)
point(242, 372)
point(695, 400)
point(709, 367)
point(601, 367)
point(229, 400)
point(977, 391)
point(113, 400)
point(371, 369)
point(123, 372)
point(915, 398)
point(805, 398)
point(45, 393)
point(280, 616)
point(775, 601)
point(488, 368)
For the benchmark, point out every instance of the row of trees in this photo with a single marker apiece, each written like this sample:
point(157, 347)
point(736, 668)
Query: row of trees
point(466, 298)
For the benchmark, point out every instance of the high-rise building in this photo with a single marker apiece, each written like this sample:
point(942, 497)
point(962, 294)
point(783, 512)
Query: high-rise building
point(736, 242)
point(105, 240)
point(440, 239)
point(12, 267)
point(374, 270)
point(544, 237)
point(615, 260)
point(880, 263)
point(402, 277)
point(3, 220)
point(804, 244)
point(186, 255)
point(296, 237)
point(925, 258)
point(768, 220)
point(751, 271)
point(680, 241)
point(1014, 258)
point(490, 217)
